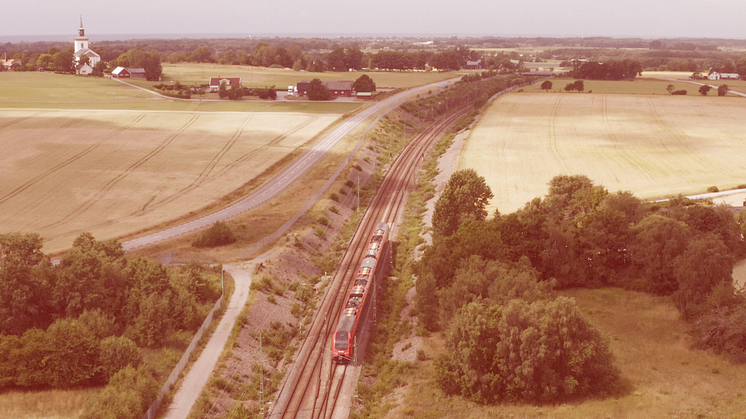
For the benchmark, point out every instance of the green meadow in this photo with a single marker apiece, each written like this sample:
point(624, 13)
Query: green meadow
point(55, 91)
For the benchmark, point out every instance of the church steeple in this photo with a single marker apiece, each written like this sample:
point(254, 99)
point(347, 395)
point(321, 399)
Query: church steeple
point(81, 31)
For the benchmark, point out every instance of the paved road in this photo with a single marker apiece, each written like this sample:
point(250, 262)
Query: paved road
point(297, 169)
point(200, 372)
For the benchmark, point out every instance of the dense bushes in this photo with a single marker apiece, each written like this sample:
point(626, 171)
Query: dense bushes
point(473, 90)
point(489, 285)
point(543, 351)
point(128, 395)
point(80, 321)
point(219, 234)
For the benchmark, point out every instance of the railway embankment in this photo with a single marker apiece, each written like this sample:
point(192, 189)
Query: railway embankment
point(287, 288)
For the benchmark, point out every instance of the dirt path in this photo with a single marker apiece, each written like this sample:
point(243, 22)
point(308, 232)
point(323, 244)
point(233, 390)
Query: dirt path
point(200, 372)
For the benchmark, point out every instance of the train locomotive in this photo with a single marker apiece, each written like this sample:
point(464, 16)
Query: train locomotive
point(352, 319)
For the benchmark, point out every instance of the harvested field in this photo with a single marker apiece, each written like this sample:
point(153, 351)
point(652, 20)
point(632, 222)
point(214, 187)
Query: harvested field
point(115, 172)
point(651, 145)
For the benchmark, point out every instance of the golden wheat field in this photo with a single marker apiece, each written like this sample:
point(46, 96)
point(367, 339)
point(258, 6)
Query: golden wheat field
point(115, 172)
point(652, 145)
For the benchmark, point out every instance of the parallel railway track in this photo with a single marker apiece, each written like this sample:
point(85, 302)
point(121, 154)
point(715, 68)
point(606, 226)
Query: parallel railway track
point(313, 386)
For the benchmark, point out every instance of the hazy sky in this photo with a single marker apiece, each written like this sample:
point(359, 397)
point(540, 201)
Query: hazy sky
point(628, 18)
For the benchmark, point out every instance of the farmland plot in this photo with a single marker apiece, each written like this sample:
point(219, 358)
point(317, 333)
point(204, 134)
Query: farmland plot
point(64, 172)
point(651, 145)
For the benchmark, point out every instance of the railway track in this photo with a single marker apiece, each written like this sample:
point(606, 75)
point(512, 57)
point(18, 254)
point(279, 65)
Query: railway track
point(313, 386)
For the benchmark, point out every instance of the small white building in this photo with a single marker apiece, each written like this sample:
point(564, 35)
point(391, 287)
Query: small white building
point(723, 76)
point(81, 50)
point(229, 82)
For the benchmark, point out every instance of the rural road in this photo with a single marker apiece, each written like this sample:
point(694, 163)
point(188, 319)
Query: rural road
point(200, 372)
point(282, 180)
point(711, 85)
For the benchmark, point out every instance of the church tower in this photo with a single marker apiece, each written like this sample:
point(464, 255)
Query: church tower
point(81, 42)
point(82, 50)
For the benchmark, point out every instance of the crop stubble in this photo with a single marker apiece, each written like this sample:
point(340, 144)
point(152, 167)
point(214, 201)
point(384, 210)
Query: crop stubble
point(651, 145)
point(114, 172)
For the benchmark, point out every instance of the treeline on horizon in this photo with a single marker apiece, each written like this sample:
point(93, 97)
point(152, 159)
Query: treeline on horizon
point(490, 284)
point(394, 53)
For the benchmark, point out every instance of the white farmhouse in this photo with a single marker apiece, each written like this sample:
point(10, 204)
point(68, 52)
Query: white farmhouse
point(81, 49)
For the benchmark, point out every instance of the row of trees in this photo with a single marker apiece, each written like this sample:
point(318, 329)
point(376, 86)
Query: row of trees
point(268, 55)
point(579, 235)
point(626, 69)
point(78, 322)
point(472, 90)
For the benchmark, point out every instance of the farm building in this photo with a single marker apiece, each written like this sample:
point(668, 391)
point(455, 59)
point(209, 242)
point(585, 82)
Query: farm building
point(337, 87)
point(724, 76)
point(84, 69)
point(128, 73)
point(120, 73)
point(473, 65)
point(9, 63)
point(231, 82)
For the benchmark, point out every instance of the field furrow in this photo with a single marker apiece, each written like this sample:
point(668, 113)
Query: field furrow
point(651, 145)
point(115, 172)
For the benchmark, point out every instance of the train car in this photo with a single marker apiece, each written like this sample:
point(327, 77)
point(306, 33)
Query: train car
point(352, 319)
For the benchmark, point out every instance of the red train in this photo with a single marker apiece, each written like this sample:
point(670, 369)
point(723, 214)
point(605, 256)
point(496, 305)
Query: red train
point(352, 319)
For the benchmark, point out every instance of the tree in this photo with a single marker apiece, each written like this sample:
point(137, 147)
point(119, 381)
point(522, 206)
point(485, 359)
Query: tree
point(364, 84)
point(704, 89)
point(202, 55)
point(317, 91)
point(464, 198)
point(335, 60)
point(64, 61)
point(657, 242)
point(576, 85)
point(546, 85)
point(128, 395)
point(20, 286)
point(98, 69)
point(543, 351)
point(723, 90)
point(73, 357)
point(670, 89)
point(353, 58)
point(704, 264)
point(116, 353)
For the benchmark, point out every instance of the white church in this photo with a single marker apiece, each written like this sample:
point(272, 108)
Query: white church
point(81, 50)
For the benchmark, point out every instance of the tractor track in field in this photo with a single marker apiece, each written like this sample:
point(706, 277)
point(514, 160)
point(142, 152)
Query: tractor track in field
point(121, 176)
point(202, 176)
point(67, 162)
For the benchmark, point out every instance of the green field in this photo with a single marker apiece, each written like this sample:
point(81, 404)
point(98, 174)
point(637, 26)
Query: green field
point(653, 145)
point(54, 91)
point(281, 78)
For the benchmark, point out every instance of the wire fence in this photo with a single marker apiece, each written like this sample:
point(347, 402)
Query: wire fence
point(153, 410)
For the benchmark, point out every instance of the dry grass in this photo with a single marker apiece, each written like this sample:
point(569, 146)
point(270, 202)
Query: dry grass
point(115, 172)
point(47, 404)
point(667, 379)
point(651, 145)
